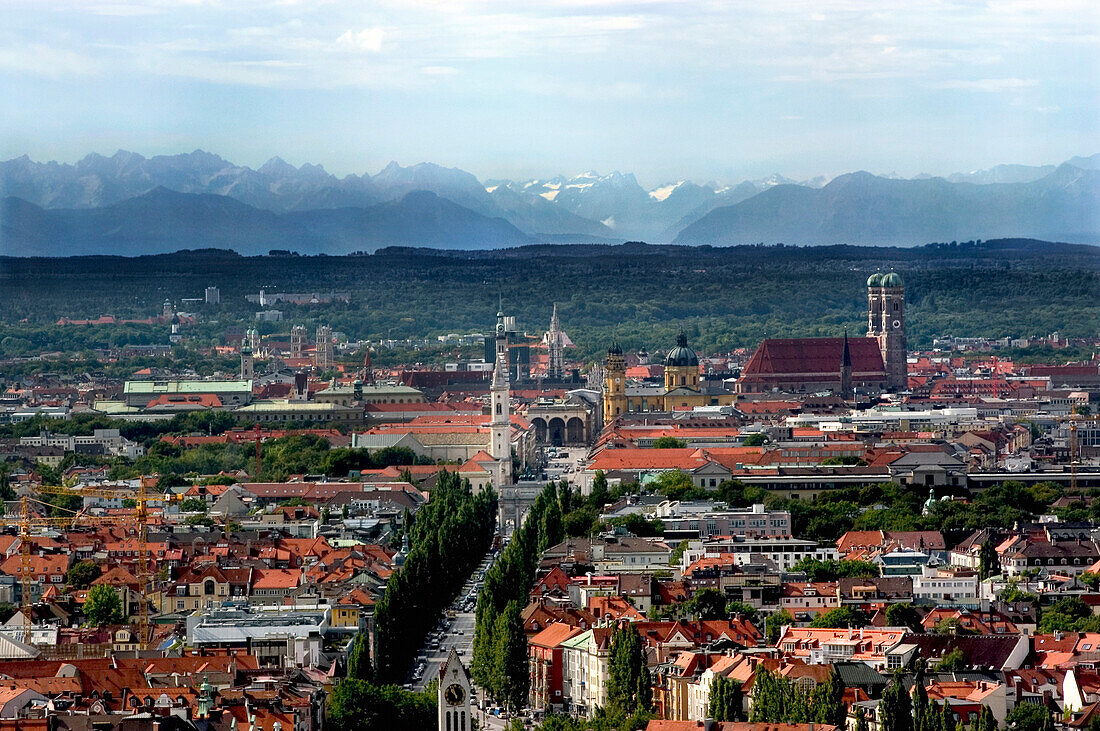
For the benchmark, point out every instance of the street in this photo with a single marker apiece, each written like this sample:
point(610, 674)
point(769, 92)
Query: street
point(455, 628)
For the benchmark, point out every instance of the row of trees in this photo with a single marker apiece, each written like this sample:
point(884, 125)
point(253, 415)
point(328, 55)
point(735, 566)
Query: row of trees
point(447, 538)
point(499, 662)
point(776, 699)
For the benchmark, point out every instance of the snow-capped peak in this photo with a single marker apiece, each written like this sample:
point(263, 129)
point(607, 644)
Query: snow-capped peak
point(664, 191)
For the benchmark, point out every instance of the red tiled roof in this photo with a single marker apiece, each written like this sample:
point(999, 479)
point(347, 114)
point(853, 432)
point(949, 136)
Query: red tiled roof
point(807, 358)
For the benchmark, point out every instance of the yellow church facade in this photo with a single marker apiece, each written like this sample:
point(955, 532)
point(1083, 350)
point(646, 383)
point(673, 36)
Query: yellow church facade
point(682, 388)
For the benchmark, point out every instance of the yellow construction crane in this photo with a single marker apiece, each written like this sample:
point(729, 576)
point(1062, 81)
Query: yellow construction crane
point(140, 519)
point(25, 522)
point(1074, 420)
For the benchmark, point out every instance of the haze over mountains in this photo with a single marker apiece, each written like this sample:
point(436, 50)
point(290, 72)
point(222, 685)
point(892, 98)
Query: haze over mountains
point(128, 204)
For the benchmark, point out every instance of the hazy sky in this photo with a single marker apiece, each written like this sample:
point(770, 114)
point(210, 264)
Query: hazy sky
point(706, 90)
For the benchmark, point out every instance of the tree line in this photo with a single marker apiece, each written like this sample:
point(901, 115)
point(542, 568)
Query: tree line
point(447, 539)
point(499, 663)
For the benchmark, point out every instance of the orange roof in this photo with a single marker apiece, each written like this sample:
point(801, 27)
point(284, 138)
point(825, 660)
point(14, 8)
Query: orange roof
point(648, 459)
point(277, 578)
point(206, 400)
point(554, 635)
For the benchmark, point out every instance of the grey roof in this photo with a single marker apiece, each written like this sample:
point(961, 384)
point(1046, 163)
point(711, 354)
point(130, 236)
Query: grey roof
point(858, 674)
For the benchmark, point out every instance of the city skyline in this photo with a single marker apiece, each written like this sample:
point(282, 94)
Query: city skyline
point(664, 90)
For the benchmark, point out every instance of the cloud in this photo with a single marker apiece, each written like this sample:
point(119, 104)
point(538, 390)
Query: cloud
point(43, 60)
point(986, 85)
point(368, 39)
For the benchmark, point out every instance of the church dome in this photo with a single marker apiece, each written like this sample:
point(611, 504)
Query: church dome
point(614, 349)
point(875, 280)
point(681, 356)
point(891, 280)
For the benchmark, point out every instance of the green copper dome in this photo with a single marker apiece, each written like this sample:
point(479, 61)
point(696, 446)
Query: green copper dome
point(681, 355)
point(875, 280)
point(891, 279)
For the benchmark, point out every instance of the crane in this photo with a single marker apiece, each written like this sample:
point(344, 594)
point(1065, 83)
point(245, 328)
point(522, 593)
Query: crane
point(1074, 451)
point(140, 518)
point(25, 522)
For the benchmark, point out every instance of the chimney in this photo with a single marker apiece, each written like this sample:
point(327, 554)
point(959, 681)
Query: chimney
point(709, 724)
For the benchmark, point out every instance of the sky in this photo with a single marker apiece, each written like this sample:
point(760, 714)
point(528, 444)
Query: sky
point(719, 90)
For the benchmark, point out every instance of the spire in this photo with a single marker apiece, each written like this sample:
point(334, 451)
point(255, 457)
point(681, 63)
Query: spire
point(682, 339)
point(846, 358)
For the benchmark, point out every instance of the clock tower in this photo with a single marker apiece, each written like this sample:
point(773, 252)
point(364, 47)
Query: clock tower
point(455, 709)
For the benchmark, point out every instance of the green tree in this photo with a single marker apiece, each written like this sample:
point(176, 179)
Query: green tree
point(895, 710)
point(511, 675)
point(1070, 614)
point(1029, 717)
point(668, 443)
point(707, 604)
point(839, 618)
point(952, 661)
point(861, 720)
point(827, 701)
point(775, 623)
point(745, 610)
point(599, 496)
point(676, 485)
point(726, 700)
point(357, 705)
point(817, 570)
point(775, 699)
point(103, 606)
point(678, 553)
point(629, 687)
point(757, 439)
point(359, 667)
point(985, 721)
point(989, 563)
point(194, 505)
point(904, 615)
point(82, 573)
point(553, 526)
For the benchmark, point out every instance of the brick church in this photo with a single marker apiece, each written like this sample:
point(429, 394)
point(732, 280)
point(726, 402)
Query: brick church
point(842, 365)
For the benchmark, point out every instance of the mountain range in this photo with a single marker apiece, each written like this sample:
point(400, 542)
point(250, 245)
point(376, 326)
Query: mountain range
point(129, 204)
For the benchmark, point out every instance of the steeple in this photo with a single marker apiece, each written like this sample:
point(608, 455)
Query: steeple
point(205, 699)
point(500, 421)
point(846, 369)
point(555, 344)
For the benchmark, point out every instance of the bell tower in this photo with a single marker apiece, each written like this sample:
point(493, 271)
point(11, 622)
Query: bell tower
point(614, 391)
point(455, 709)
point(886, 323)
point(500, 422)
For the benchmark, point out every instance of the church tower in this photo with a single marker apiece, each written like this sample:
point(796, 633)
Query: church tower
point(614, 392)
point(555, 345)
point(846, 369)
point(681, 366)
point(500, 424)
point(248, 364)
point(886, 323)
point(455, 709)
point(874, 305)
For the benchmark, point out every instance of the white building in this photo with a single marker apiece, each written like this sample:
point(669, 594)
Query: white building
point(109, 440)
point(940, 587)
point(782, 551)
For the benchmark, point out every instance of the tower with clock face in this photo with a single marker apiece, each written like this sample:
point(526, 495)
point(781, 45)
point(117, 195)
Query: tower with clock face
point(455, 708)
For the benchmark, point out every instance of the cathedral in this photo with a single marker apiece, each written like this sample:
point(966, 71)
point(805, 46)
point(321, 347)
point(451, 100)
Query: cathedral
point(682, 389)
point(873, 363)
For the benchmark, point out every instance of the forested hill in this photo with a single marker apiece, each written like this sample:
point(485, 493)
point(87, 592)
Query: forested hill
point(641, 294)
